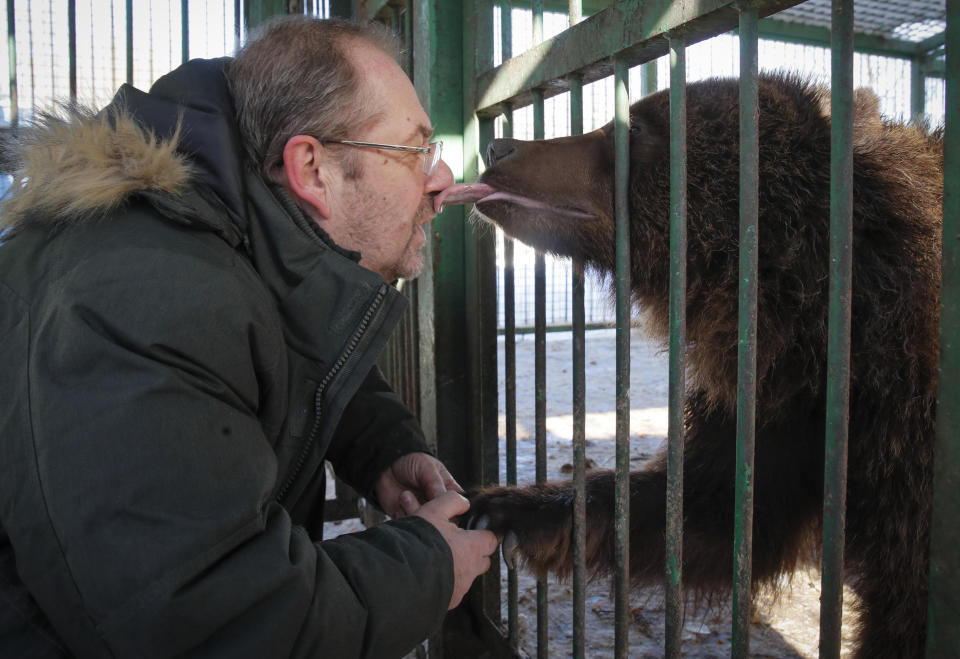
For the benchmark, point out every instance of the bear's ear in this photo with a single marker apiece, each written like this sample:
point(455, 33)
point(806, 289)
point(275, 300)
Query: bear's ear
point(304, 169)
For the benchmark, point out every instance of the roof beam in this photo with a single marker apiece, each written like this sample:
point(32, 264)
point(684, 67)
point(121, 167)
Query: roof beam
point(633, 30)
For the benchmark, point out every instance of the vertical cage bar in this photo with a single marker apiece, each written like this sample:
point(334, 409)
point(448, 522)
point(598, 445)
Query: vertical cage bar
point(510, 343)
point(510, 377)
point(537, 6)
point(237, 24)
point(943, 637)
point(128, 19)
point(482, 311)
point(648, 78)
point(12, 55)
point(838, 332)
point(579, 404)
point(72, 46)
point(747, 346)
point(578, 332)
point(678, 321)
point(918, 90)
point(621, 208)
point(540, 386)
point(184, 30)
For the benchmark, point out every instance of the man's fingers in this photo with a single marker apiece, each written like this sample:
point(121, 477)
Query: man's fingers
point(450, 504)
point(409, 502)
point(435, 487)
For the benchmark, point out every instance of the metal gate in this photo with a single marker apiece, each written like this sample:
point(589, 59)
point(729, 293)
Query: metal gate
point(463, 90)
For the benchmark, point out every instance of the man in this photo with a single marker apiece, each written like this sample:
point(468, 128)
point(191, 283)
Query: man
point(194, 288)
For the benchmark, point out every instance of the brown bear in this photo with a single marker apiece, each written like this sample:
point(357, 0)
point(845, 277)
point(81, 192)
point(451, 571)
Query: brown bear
point(557, 195)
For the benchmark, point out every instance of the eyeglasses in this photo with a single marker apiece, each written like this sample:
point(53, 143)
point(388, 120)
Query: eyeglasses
point(432, 151)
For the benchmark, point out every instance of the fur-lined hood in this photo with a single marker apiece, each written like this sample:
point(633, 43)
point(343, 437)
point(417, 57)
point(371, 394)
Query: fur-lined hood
point(77, 165)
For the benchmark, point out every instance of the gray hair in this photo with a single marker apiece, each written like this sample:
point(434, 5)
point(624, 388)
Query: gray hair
point(294, 78)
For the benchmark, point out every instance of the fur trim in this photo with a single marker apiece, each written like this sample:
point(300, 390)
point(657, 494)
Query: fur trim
point(76, 164)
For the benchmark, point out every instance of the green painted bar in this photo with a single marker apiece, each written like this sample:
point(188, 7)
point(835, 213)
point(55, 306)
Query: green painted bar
point(506, 40)
point(486, 324)
point(184, 30)
point(747, 334)
point(631, 30)
point(537, 6)
point(918, 88)
point(540, 389)
point(72, 46)
point(811, 35)
point(510, 344)
point(648, 78)
point(12, 56)
point(943, 635)
point(677, 362)
point(928, 45)
point(129, 27)
point(838, 331)
point(438, 68)
point(481, 293)
point(540, 356)
point(579, 404)
point(621, 209)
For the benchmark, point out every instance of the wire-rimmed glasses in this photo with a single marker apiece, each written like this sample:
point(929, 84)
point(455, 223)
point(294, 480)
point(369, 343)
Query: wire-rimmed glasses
point(432, 151)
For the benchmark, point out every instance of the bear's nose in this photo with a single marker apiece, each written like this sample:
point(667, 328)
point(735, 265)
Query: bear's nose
point(499, 149)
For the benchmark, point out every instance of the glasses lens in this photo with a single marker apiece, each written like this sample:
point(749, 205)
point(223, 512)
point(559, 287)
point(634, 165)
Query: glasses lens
point(432, 159)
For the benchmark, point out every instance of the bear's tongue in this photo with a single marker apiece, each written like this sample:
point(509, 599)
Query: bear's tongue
point(462, 193)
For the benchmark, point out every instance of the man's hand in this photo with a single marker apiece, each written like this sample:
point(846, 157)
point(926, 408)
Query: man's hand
point(422, 475)
point(471, 549)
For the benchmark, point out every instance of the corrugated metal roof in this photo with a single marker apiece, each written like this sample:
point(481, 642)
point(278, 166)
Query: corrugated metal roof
point(905, 20)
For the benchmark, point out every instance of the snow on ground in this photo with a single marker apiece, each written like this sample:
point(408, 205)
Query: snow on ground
point(787, 626)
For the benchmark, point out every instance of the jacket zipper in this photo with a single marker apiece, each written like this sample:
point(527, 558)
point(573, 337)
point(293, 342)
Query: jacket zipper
point(321, 389)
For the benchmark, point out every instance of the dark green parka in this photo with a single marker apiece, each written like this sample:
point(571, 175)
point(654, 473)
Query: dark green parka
point(180, 349)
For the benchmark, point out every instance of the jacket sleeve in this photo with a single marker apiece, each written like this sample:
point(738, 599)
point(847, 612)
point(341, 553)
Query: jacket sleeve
point(154, 531)
point(376, 428)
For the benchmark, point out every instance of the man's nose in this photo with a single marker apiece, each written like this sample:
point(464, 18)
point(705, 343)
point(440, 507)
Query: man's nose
point(441, 179)
point(499, 149)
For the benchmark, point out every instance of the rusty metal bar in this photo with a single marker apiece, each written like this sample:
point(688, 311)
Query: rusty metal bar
point(747, 342)
point(677, 385)
point(540, 386)
point(943, 636)
point(838, 330)
point(510, 373)
point(578, 332)
point(621, 207)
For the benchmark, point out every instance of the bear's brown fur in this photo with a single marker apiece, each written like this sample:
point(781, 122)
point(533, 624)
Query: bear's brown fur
point(558, 196)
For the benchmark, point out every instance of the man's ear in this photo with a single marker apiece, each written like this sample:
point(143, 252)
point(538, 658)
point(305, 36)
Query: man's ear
point(305, 165)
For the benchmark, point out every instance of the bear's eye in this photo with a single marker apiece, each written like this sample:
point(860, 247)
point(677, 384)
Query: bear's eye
point(636, 128)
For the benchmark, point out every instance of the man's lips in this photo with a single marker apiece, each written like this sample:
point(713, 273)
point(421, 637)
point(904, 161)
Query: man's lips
point(476, 193)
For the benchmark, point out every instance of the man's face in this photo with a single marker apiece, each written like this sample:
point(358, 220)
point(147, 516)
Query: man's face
point(385, 208)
